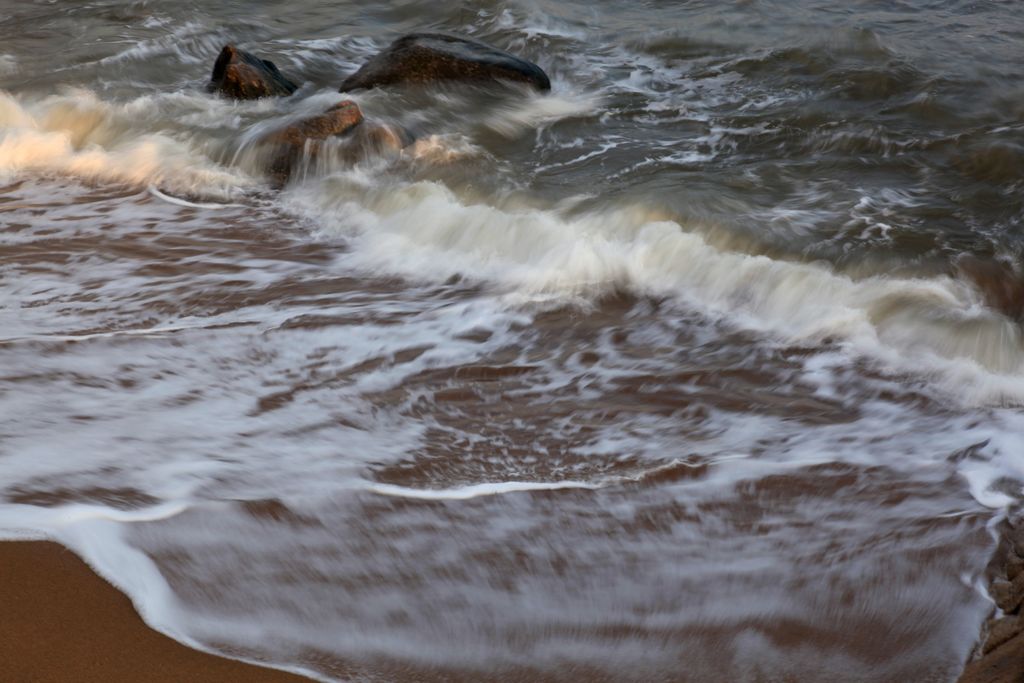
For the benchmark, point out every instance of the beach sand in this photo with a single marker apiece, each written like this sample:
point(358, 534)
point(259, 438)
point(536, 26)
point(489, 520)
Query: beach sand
point(59, 621)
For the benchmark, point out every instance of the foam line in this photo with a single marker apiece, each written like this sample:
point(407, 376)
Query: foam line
point(477, 490)
point(142, 332)
point(183, 202)
point(22, 519)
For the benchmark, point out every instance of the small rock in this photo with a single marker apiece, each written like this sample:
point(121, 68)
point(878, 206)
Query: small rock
point(303, 137)
point(1008, 595)
point(337, 120)
point(1014, 565)
point(1001, 665)
point(382, 138)
point(1001, 286)
point(244, 76)
point(427, 58)
point(1000, 631)
point(1017, 540)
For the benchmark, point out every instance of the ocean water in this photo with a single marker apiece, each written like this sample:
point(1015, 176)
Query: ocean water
point(706, 366)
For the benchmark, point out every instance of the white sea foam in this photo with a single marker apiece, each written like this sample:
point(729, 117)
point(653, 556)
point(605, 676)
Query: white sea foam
point(441, 149)
point(183, 202)
point(423, 230)
point(476, 490)
point(191, 42)
point(78, 134)
point(935, 326)
point(537, 110)
point(8, 64)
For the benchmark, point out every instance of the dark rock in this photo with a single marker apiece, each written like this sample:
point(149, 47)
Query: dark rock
point(1000, 284)
point(304, 138)
point(425, 58)
point(244, 76)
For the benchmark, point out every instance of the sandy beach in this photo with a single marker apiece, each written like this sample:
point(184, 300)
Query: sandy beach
point(62, 622)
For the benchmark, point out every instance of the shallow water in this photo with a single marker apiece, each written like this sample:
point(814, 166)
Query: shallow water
point(706, 366)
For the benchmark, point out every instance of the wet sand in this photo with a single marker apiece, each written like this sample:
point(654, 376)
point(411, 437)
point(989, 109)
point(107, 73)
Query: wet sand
point(62, 622)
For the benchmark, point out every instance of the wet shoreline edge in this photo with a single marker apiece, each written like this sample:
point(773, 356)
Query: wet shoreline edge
point(63, 621)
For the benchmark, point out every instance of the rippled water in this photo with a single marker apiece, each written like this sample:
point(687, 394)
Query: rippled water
point(706, 366)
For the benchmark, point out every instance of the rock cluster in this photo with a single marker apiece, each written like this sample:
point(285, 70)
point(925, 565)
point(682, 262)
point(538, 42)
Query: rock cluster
point(418, 59)
point(1000, 656)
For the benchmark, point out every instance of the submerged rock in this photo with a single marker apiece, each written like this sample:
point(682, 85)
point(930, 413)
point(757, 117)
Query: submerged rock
point(302, 140)
point(244, 76)
point(338, 136)
point(424, 58)
point(380, 140)
point(337, 120)
point(1000, 284)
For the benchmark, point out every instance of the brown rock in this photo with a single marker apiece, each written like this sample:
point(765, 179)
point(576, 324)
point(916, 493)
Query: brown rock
point(337, 120)
point(302, 144)
point(1002, 630)
point(1008, 595)
point(1017, 540)
point(429, 58)
point(244, 76)
point(1002, 288)
point(1014, 565)
point(1005, 664)
point(303, 138)
point(382, 139)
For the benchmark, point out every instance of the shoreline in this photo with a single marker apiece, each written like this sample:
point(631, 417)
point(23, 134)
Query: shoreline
point(62, 621)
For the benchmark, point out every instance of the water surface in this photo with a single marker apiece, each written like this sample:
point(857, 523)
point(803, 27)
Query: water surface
point(705, 366)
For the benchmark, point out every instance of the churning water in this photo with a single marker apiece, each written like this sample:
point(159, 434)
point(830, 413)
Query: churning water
point(706, 366)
